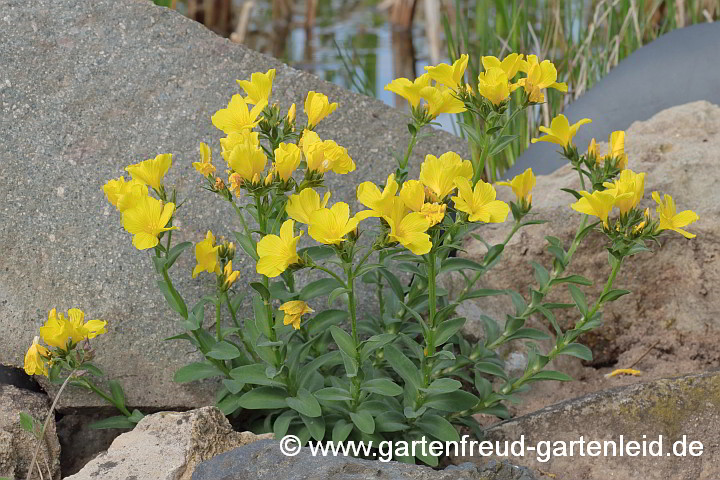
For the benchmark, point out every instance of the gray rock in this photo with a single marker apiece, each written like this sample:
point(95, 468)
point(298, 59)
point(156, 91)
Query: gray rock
point(16, 445)
point(685, 407)
point(87, 88)
point(166, 446)
point(79, 442)
point(264, 461)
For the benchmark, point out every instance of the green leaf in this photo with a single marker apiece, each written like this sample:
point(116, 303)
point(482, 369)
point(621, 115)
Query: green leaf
point(119, 421)
point(117, 394)
point(230, 404)
point(550, 375)
point(323, 320)
point(317, 253)
point(233, 386)
point(491, 369)
point(382, 386)
point(27, 422)
point(260, 288)
point(394, 283)
point(578, 279)
point(265, 397)
point(501, 144)
point(456, 401)
point(316, 426)
point(613, 295)
point(579, 299)
point(247, 244)
point(336, 293)
point(254, 374)
point(447, 329)
point(305, 403)
point(542, 276)
point(332, 394)
point(454, 264)
point(196, 371)
point(282, 423)
point(572, 192)
point(438, 427)
point(364, 421)
point(577, 350)
point(341, 431)
point(319, 288)
point(175, 253)
point(175, 301)
point(403, 366)
point(390, 421)
point(443, 385)
point(224, 351)
point(531, 333)
point(484, 292)
point(344, 341)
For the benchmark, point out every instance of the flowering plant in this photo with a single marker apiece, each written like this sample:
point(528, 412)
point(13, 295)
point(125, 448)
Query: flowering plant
point(403, 370)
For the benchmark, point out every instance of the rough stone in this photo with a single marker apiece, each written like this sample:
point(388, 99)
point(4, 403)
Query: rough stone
point(79, 442)
point(674, 408)
point(264, 461)
point(87, 88)
point(166, 446)
point(16, 445)
point(671, 300)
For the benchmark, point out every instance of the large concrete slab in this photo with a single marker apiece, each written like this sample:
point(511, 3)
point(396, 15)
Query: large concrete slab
point(87, 88)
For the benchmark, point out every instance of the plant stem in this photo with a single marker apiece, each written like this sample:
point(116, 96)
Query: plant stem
point(411, 145)
point(45, 425)
point(218, 316)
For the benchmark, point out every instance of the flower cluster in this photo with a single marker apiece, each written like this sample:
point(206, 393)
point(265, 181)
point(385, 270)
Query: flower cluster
point(62, 334)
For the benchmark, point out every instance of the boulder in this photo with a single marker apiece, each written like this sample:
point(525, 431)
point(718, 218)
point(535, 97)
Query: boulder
point(681, 410)
point(166, 446)
point(90, 87)
point(264, 461)
point(672, 305)
point(16, 445)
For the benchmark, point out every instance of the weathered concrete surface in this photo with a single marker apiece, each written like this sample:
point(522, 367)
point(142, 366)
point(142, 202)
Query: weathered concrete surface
point(264, 461)
point(672, 300)
point(16, 445)
point(167, 446)
point(674, 408)
point(638, 88)
point(87, 88)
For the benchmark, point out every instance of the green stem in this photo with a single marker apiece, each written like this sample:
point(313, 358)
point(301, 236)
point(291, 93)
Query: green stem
point(351, 304)
point(411, 145)
point(239, 212)
point(106, 397)
point(218, 316)
point(239, 333)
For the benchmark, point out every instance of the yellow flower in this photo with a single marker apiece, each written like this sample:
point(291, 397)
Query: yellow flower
point(410, 91)
point(413, 195)
point(287, 159)
point(438, 174)
point(598, 204)
point(381, 202)
point(259, 87)
point(302, 205)
point(409, 228)
point(617, 149)
point(89, 329)
point(236, 182)
point(479, 203)
point(237, 117)
point(510, 64)
point(35, 359)
point(317, 107)
point(592, 151)
point(294, 310)
point(641, 226)
point(322, 156)
point(246, 137)
point(521, 185)
point(277, 253)
point(433, 212)
point(57, 330)
point(441, 100)
point(291, 113)
point(560, 131)
point(146, 220)
point(450, 76)
point(206, 256)
point(229, 275)
point(670, 220)
point(330, 225)
point(627, 182)
point(151, 171)
point(205, 165)
point(493, 85)
point(122, 194)
point(248, 160)
point(539, 76)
